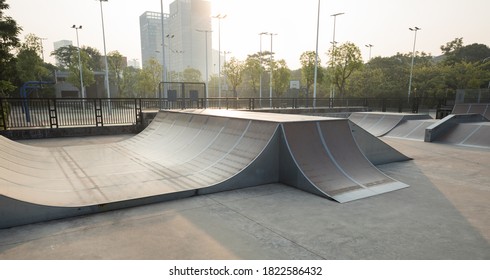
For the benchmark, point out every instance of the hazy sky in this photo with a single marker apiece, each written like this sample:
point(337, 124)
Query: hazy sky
point(382, 23)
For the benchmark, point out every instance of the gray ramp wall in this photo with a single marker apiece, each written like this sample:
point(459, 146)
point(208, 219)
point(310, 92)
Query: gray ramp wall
point(329, 162)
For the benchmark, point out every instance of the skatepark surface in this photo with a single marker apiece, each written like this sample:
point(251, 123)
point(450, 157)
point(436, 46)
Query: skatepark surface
point(444, 214)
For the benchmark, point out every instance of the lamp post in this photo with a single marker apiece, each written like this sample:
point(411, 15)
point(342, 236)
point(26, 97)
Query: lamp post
point(206, 32)
point(42, 49)
point(225, 77)
point(369, 46)
point(415, 29)
point(316, 55)
point(169, 36)
point(79, 60)
point(105, 55)
point(260, 79)
point(270, 82)
point(219, 17)
point(164, 66)
point(332, 93)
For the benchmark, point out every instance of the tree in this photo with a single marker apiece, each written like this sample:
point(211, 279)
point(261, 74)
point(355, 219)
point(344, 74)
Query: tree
point(308, 60)
point(149, 79)
point(281, 77)
point(345, 59)
point(30, 66)
point(9, 32)
point(116, 66)
point(233, 69)
point(192, 75)
point(253, 69)
point(129, 82)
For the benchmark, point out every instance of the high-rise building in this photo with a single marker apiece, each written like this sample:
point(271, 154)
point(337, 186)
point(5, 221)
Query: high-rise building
point(188, 46)
point(151, 36)
point(185, 46)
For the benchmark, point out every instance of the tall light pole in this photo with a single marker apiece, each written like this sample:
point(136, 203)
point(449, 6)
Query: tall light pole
point(105, 54)
point(270, 82)
point(316, 55)
point(169, 36)
point(164, 66)
point(206, 32)
point(79, 60)
point(415, 29)
point(260, 79)
point(369, 46)
point(219, 17)
point(225, 77)
point(42, 49)
point(332, 93)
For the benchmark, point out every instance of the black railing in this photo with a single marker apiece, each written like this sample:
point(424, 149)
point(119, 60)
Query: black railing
point(65, 112)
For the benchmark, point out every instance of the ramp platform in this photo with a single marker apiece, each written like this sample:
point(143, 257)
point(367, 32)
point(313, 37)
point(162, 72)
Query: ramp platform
point(182, 154)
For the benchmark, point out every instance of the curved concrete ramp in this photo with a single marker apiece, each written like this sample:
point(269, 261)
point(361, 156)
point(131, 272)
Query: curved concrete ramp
point(411, 129)
point(469, 108)
point(329, 163)
point(379, 124)
point(182, 154)
point(179, 155)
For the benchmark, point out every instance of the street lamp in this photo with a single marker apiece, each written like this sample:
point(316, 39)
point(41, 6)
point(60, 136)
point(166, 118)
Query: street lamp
point(169, 36)
point(79, 60)
point(105, 55)
point(206, 32)
point(332, 93)
point(164, 66)
point(270, 82)
point(260, 54)
point(316, 55)
point(219, 17)
point(369, 46)
point(415, 29)
point(42, 49)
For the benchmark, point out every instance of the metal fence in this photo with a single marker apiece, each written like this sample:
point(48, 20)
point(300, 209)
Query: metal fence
point(64, 112)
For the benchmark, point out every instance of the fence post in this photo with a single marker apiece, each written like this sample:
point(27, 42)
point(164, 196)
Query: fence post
point(3, 116)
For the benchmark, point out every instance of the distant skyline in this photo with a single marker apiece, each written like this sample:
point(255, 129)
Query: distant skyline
point(382, 23)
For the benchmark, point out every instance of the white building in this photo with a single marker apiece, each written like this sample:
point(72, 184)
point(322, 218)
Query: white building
point(185, 46)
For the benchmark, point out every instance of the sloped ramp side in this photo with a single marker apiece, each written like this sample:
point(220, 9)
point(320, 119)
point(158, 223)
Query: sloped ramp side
point(329, 163)
point(198, 154)
point(470, 108)
point(375, 150)
point(380, 123)
point(410, 129)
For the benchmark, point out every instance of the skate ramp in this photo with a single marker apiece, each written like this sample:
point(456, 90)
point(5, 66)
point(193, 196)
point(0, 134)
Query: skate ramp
point(182, 154)
point(379, 124)
point(375, 150)
point(178, 155)
point(323, 158)
point(411, 129)
point(469, 108)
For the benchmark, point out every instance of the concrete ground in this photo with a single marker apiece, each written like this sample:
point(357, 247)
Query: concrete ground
point(445, 214)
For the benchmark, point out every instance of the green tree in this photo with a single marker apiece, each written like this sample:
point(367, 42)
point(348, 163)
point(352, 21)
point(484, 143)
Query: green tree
point(233, 70)
point(30, 66)
point(192, 75)
point(9, 32)
point(116, 67)
point(308, 60)
point(149, 79)
point(252, 70)
point(129, 82)
point(281, 77)
point(67, 58)
point(345, 59)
